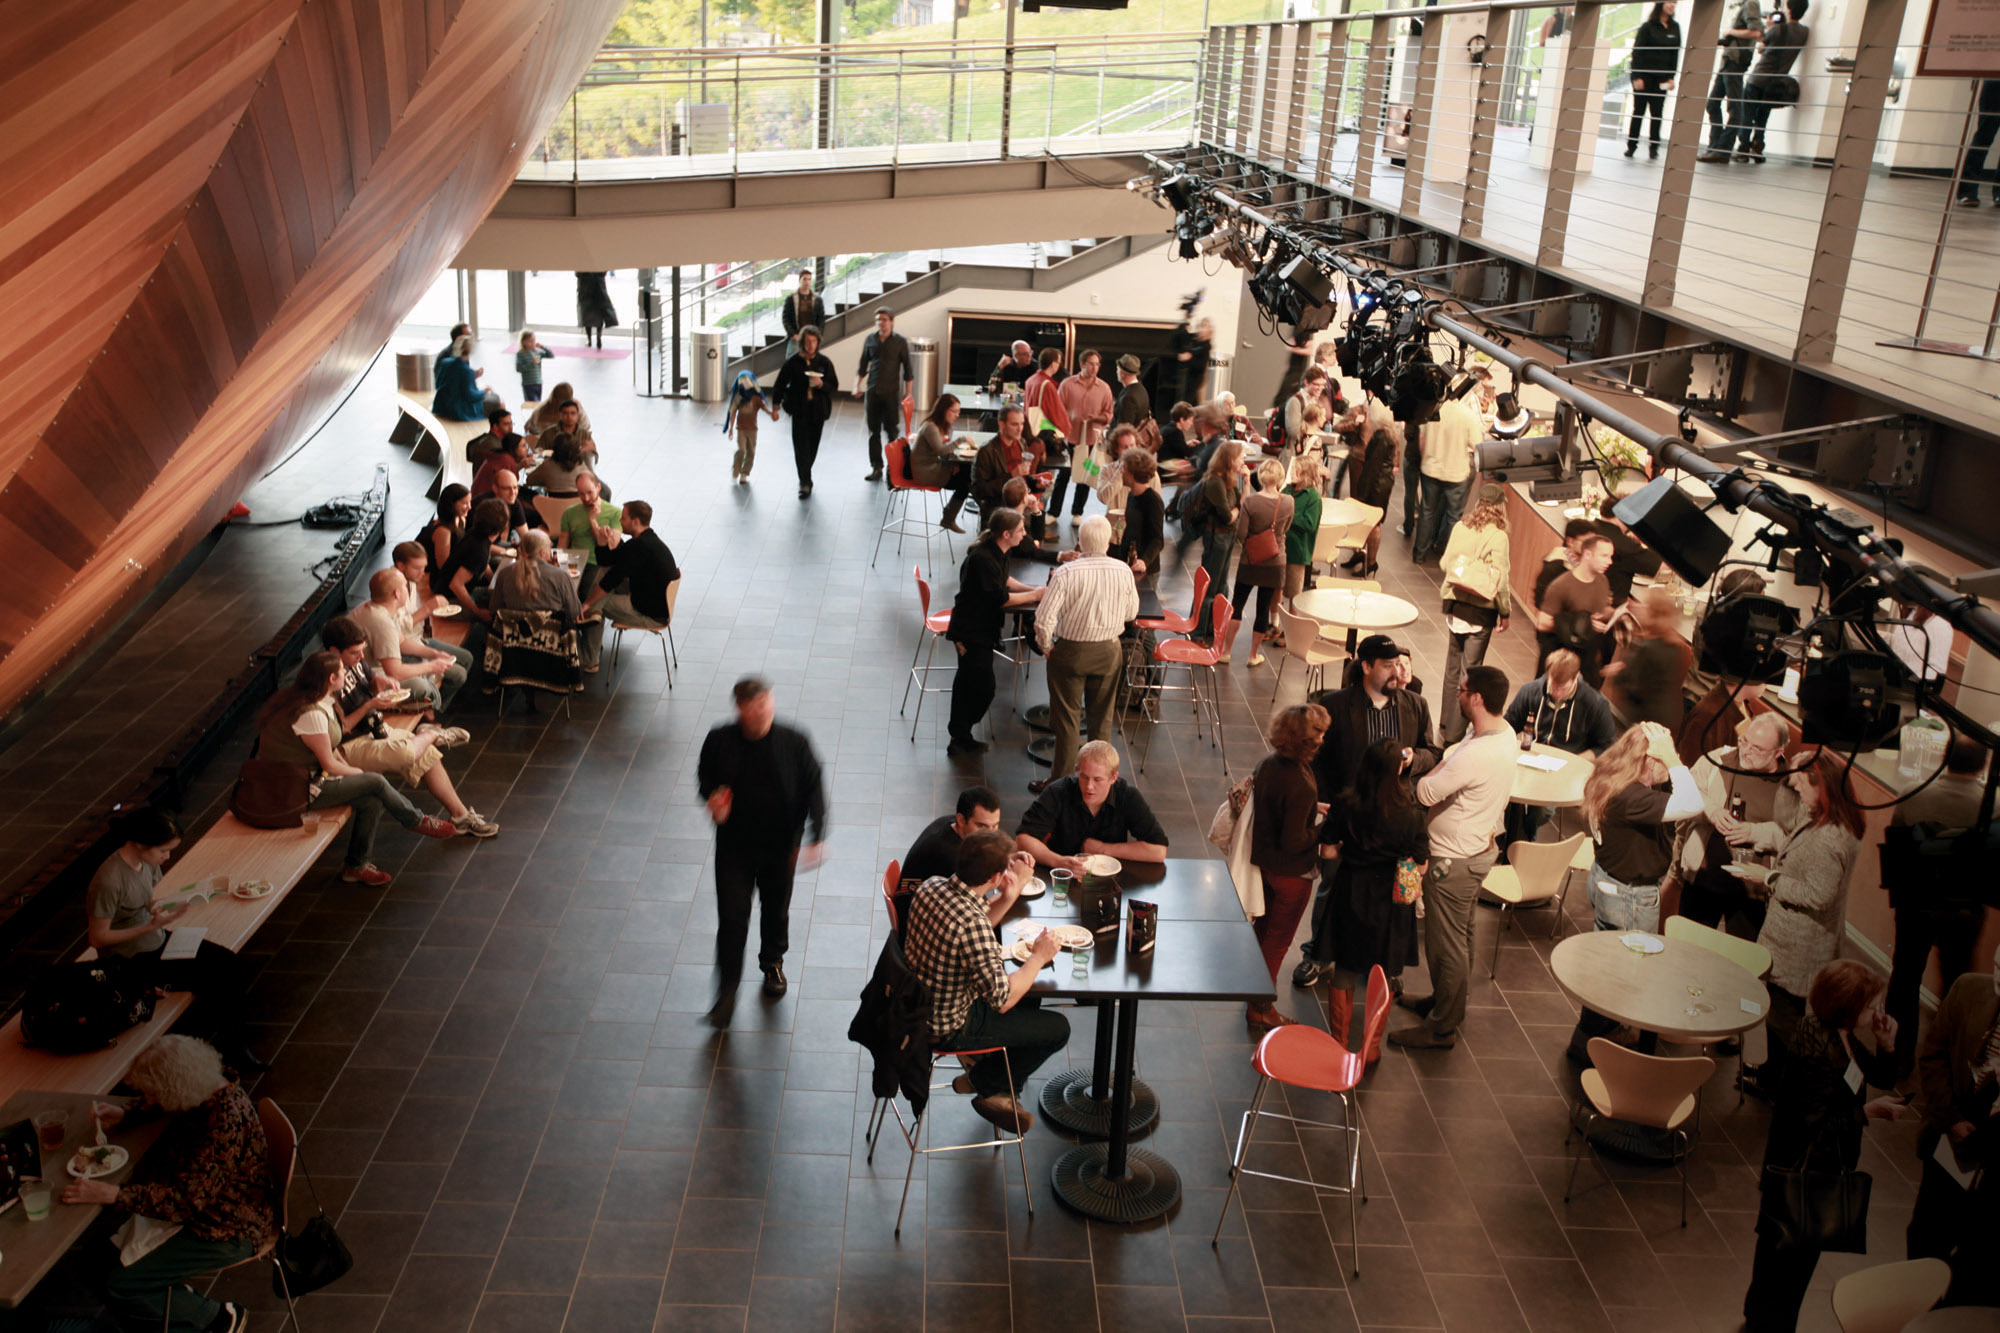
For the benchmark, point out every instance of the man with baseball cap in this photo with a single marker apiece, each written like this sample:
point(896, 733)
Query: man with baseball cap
point(1374, 708)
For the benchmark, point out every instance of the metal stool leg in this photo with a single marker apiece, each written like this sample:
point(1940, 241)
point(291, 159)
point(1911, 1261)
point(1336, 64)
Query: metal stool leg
point(1242, 1149)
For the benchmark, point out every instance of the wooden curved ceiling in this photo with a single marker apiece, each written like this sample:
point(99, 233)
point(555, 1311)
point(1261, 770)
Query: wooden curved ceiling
point(212, 213)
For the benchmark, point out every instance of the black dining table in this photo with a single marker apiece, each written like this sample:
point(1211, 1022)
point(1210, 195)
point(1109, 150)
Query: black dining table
point(1204, 949)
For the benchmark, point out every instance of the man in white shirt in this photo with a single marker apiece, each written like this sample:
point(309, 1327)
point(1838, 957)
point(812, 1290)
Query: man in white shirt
point(1446, 446)
point(1466, 795)
point(1089, 602)
point(431, 677)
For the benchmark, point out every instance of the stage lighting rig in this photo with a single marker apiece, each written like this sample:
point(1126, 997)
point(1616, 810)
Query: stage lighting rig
point(1743, 638)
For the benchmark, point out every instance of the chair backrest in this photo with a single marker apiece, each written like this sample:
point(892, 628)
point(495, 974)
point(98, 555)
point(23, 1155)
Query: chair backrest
point(1370, 516)
point(281, 1146)
point(1540, 866)
point(1375, 1017)
point(673, 595)
point(892, 880)
point(923, 593)
point(1301, 634)
point(1749, 955)
point(1220, 617)
point(551, 509)
point(1326, 542)
point(898, 454)
point(1653, 1090)
point(1200, 591)
point(1884, 1298)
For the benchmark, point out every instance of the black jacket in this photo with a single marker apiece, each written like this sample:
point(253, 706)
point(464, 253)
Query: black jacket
point(815, 314)
point(1656, 50)
point(796, 394)
point(1339, 758)
point(644, 566)
point(800, 794)
point(893, 1023)
point(1582, 722)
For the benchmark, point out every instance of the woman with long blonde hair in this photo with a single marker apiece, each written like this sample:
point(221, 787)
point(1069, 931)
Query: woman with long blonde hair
point(1631, 822)
point(1476, 599)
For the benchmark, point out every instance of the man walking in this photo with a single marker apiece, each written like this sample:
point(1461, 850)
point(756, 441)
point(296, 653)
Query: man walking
point(879, 383)
point(1089, 602)
point(1086, 399)
point(802, 309)
point(1465, 796)
point(761, 782)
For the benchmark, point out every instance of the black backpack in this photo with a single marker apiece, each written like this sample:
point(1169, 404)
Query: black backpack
point(76, 1007)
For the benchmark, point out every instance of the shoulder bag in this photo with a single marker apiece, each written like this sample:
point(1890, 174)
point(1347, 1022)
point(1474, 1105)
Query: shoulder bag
point(1262, 546)
point(271, 794)
point(1807, 1209)
point(316, 1257)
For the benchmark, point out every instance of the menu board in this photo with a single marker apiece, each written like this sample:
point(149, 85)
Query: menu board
point(1962, 40)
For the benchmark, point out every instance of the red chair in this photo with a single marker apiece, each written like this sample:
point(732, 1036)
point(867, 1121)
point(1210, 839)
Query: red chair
point(892, 882)
point(1199, 662)
point(934, 628)
point(1305, 1057)
point(1169, 623)
point(901, 488)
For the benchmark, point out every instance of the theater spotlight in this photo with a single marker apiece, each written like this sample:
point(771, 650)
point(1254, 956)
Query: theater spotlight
point(1742, 638)
point(1179, 191)
point(1844, 698)
point(1668, 522)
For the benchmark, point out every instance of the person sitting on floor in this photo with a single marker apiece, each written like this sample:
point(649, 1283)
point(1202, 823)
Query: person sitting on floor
point(208, 1176)
point(300, 725)
point(954, 953)
point(433, 677)
point(458, 396)
point(1093, 811)
point(412, 757)
point(935, 852)
point(632, 591)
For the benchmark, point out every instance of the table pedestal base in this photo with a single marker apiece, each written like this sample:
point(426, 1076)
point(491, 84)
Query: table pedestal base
point(1066, 1101)
point(1149, 1187)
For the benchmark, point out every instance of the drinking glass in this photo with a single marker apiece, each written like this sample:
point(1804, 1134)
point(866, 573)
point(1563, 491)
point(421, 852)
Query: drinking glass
point(1059, 884)
point(35, 1199)
point(50, 1126)
point(1079, 962)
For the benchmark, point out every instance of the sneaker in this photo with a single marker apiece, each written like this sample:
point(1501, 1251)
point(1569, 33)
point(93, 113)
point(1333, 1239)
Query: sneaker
point(1256, 661)
point(1307, 973)
point(233, 1318)
point(433, 827)
point(367, 875)
point(475, 824)
point(1004, 1112)
point(450, 736)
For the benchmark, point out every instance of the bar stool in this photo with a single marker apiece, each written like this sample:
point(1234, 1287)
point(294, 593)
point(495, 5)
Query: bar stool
point(1171, 622)
point(1199, 662)
point(901, 488)
point(934, 630)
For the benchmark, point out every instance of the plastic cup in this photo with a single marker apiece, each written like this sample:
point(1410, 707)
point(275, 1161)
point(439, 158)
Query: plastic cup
point(1079, 962)
point(35, 1198)
point(309, 823)
point(1059, 885)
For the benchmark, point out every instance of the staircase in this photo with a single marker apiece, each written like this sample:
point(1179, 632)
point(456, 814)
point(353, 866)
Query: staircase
point(1063, 263)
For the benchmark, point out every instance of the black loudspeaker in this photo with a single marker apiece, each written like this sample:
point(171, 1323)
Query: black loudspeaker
point(1667, 521)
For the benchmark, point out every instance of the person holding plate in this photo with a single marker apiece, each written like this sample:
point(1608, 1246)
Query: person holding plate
point(126, 923)
point(804, 388)
point(208, 1178)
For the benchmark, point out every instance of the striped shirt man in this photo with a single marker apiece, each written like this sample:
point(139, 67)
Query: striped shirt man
point(1090, 600)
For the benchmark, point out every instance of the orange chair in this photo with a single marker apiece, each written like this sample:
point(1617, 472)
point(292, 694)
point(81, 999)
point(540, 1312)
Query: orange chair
point(934, 628)
point(1305, 1057)
point(892, 880)
point(1199, 661)
point(901, 488)
point(1171, 623)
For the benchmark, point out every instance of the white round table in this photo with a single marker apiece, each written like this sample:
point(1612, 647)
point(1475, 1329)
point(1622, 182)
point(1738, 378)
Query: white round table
point(1560, 788)
point(1654, 991)
point(1355, 610)
point(1341, 512)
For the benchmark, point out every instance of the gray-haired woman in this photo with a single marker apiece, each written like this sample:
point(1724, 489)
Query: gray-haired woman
point(209, 1175)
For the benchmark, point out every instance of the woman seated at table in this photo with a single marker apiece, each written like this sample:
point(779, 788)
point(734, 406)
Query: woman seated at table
point(548, 415)
point(1819, 1111)
point(1286, 812)
point(441, 535)
point(556, 475)
point(299, 725)
point(1631, 821)
point(124, 922)
point(534, 581)
point(1375, 848)
point(465, 575)
point(208, 1175)
point(934, 461)
point(1145, 533)
point(1805, 891)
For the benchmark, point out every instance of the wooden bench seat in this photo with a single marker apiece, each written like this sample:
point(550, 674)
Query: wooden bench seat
point(446, 441)
point(231, 848)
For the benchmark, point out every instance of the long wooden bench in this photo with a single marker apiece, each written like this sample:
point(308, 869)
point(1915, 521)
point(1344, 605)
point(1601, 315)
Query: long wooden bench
point(435, 440)
point(231, 848)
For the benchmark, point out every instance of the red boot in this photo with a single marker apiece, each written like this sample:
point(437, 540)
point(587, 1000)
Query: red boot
point(1339, 1013)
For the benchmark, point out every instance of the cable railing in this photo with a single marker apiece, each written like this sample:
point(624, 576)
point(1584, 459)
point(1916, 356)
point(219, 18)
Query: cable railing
point(654, 112)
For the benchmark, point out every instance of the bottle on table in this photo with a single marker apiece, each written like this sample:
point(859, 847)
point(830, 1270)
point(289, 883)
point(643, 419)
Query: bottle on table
point(1528, 734)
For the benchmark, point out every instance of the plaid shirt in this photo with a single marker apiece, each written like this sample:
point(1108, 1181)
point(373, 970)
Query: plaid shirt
point(951, 947)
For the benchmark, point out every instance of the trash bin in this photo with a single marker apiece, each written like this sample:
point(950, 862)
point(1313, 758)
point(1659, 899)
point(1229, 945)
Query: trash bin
point(1219, 368)
point(923, 374)
point(414, 370)
point(706, 383)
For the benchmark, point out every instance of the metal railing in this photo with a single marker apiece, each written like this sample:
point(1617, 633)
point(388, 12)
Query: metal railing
point(650, 112)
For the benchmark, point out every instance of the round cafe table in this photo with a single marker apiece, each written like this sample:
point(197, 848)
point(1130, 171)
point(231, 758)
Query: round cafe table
point(1356, 611)
point(1560, 788)
point(1341, 512)
point(1655, 992)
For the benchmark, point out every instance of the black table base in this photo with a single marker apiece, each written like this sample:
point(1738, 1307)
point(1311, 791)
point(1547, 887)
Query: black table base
point(1148, 1188)
point(1066, 1101)
point(1042, 749)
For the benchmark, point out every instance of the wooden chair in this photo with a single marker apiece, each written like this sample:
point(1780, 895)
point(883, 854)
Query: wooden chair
point(1309, 1059)
point(527, 651)
point(551, 508)
point(281, 1146)
point(1656, 1091)
point(1302, 640)
point(1749, 955)
point(669, 653)
point(1357, 532)
point(1536, 875)
point(1884, 1298)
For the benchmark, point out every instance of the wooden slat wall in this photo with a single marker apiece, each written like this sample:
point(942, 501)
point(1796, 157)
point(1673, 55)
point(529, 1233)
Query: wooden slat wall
point(212, 212)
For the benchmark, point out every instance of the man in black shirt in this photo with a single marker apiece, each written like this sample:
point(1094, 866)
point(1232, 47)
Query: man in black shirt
point(978, 622)
point(935, 852)
point(632, 590)
point(500, 436)
point(1630, 559)
point(879, 381)
point(1093, 811)
point(761, 782)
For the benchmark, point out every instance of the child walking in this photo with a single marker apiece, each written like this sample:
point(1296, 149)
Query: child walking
point(746, 400)
point(528, 364)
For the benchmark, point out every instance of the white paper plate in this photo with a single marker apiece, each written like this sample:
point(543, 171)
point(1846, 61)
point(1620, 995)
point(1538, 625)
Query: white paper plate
point(447, 611)
point(82, 1168)
point(394, 696)
point(1034, 888)
point(1641, 943)
point(1743, 871)
point(1100, 866)
point(1018, 951)
point(1072, 937)
point(251, 890)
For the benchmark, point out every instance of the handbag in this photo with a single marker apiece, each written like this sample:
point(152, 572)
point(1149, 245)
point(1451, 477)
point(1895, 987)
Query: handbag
point(1409, 881)
point(1806, 1209)
point(1477, 577)
point(316, 1257)
point(1262, 547)
point(270, 793)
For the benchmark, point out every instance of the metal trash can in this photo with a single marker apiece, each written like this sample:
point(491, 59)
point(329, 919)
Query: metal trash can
point(1219, 368)
point(923, 374)
point(706, 383)
point(414, 372)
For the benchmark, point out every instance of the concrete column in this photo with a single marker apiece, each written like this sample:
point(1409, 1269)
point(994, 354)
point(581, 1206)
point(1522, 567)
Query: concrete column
point(1211, 76)
point(1685, 138)
point(1574, 117)
point(517, 300)
point(1421, 111)
point(1847, 183)
point(1374, 88)
point(1485, 113)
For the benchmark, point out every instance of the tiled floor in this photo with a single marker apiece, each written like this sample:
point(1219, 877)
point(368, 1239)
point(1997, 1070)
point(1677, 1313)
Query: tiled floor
point(514, 1110)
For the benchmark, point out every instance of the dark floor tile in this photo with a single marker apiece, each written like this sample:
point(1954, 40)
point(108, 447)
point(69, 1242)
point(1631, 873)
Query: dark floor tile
point(537, 1264)
point(786, 1304)
point(1477, 1304)
point(805, 1252)
point(614, 1305)
point(439, 1292)
point(629, 1249)
point(973, 1309)
point(1309, 1311)
point(710, 1277)
point(1219, 1280)
point(464, 1228)
point(1555, 1295)
point(381, 1244)
point(700, 1319)
point(1392, 1290)
point(517, 1313)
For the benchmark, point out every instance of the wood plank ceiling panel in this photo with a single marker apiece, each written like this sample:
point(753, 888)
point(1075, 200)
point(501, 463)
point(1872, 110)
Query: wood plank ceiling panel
point(251, 195)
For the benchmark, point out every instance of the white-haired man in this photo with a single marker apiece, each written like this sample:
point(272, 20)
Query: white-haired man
point(1089, 602)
